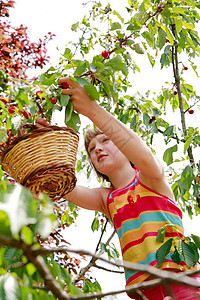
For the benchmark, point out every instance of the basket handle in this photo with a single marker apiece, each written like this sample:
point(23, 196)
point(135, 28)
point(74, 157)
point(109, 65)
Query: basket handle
point(22, 128)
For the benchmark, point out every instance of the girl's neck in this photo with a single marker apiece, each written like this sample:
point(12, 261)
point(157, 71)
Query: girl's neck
point(122, 177)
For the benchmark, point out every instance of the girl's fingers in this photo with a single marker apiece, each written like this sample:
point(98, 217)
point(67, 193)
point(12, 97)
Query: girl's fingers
point(68, 81)
point(67, 92)
point(40, 122)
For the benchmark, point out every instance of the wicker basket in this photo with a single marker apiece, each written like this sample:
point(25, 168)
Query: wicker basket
point(43, 160)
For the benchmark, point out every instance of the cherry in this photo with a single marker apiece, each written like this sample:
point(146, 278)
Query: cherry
point(175, 93)
point(37, 94)
point(191, 111)
point(153, 118)
point(65, 85)
point(170, 174)
point(11, 109)
point(2, 99)
point(25, 114)
point(102, 220)
point(53, 100)
point(167, 41)
point(186, 68)
point(105, 53)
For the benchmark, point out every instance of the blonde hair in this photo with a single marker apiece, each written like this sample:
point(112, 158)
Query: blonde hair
point(90, 134)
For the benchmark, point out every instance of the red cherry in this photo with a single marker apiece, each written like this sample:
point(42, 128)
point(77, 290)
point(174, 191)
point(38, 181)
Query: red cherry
point(11, 109)
point(170, 174)
point(191, 111)
point(102, 220)
point(65, 85)
point(175, 92)
point(186, 68)
point(2, 99)
point(25, 114)
point(153, 118)
point(167, 41)
point(37, 94)
point(190, 207)
point(53, 100)
point(105, 53)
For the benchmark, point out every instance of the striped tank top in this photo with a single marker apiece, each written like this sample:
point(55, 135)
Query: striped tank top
point(137, 213)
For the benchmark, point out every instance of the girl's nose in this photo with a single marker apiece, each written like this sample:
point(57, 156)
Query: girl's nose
point(98, 149)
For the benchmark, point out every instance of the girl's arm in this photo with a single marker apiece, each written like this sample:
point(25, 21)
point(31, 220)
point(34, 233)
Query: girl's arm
point(92, 199)
point(127, 141)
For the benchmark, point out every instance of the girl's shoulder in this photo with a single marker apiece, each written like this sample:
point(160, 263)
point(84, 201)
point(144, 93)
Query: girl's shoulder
point(104, 191)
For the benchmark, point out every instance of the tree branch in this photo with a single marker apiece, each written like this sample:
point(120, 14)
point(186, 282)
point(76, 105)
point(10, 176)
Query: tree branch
point(178, 86)
point(34, 256)
point(40, 265)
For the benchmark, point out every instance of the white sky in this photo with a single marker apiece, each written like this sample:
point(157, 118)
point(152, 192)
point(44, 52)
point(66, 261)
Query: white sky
point(42, 16)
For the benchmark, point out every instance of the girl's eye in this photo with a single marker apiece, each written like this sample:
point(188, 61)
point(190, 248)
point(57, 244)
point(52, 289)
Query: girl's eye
point(91, 149)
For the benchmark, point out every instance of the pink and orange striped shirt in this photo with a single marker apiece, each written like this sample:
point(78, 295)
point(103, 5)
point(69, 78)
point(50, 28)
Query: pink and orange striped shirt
point(137, 213)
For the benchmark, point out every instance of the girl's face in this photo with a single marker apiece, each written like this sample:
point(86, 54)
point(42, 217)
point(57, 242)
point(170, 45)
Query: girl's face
point(104, 155)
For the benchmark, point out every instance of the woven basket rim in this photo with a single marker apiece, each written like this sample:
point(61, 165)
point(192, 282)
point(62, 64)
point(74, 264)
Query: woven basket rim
point(35, 133)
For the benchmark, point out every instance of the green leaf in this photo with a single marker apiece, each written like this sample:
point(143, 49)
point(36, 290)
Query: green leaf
point(47, 79)
point(196, 240)
point(115, 13)
point(68, 112)
point(161, 235)
point(146, 119)
point(187, 143)
point(151, 59)
point(74, 26)
point(138, 49)
point(168, 154)
point(73, 290)
point(163, 251)
point(95, 224)
point(161, 232)
point(176, 256)
point(68, 54)
point(74, 122)
point(64, 100)
point(4, 223)
point(179, 25)
point(115, 63)
point(161, 38)
point(27, 235)
point(91, 91)
point(148, 36)
point(188, 25)
point(187, 177)
point(187, 253)
point(81, 68)
point(31, 269)
point(169, 131)
point(11, 255)
point(115, 25)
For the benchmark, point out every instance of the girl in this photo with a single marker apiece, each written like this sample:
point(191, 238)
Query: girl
point(139, 201)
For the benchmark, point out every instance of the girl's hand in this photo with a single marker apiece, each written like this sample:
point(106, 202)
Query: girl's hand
point(81, 102)
point(40, 122)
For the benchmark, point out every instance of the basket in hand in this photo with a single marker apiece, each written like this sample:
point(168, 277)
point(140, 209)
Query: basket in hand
point(43, 160)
